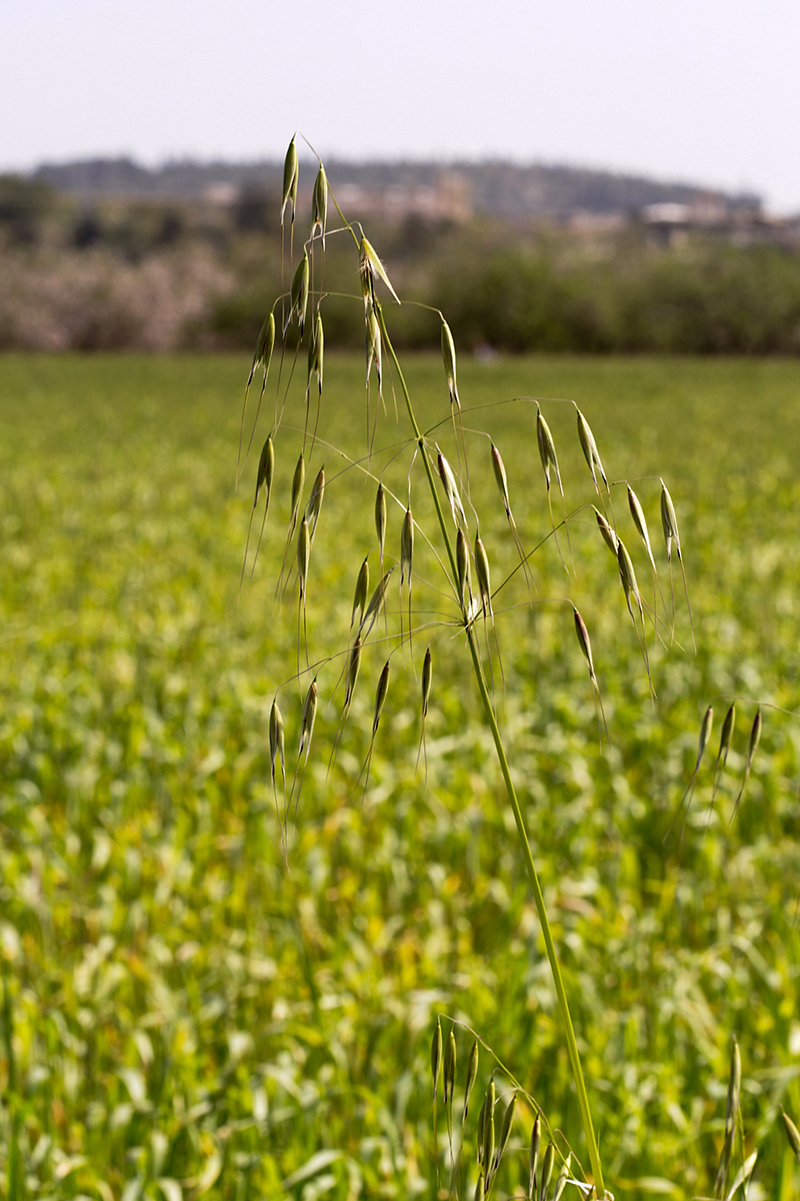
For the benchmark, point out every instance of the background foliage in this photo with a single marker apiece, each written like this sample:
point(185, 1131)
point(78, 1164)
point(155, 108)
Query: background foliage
point(185, 1017)
point(171, 274)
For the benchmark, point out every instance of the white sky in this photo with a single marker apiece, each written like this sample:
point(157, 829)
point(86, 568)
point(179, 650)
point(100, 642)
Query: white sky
point(706, 91)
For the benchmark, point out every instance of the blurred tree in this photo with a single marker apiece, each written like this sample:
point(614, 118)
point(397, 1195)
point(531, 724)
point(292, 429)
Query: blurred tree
point(24, 203)
point(88, 230)
point(257, 210)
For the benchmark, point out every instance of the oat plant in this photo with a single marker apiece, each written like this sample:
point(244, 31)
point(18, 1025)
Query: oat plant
point(423, 578)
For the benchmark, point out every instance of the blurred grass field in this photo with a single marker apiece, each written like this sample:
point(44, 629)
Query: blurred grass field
point(183, 1016)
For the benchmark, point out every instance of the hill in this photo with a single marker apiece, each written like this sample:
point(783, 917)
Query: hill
point(494, 187)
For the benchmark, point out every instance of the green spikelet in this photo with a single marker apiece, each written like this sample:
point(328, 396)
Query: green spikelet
point(290, 178)
point(276, 740)
point(472, 1072)
point(488, 1132)
point(449, 358)
point(449, 1075)
point(547, 1171)
point(533, 1156)
point(319, 219)
point(436, 1056)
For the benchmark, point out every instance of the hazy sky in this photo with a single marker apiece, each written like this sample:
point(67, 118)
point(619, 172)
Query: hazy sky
point(701, 90)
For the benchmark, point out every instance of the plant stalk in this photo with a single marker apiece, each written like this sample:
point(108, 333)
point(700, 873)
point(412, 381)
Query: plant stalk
point(538, 896)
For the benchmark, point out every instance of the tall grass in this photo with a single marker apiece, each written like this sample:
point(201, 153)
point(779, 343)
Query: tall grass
point(428, 474)
point(148, 923)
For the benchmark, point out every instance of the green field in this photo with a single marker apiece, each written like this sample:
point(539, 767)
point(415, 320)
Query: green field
point(183, 1015)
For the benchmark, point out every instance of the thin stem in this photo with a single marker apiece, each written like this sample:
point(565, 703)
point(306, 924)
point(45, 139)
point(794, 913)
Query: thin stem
point(538, 896)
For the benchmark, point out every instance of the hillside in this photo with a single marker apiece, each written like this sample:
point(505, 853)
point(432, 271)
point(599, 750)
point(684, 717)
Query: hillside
point(496, 188)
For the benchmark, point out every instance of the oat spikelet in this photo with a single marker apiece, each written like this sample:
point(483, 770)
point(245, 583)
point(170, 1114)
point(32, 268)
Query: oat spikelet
point(487, 1148)
point(450, 488)
point(380, 701)
point(315, 501)
point(303, 553)
point(300, 285)
point(505, 1132)
point(483, 603)
point(628, 577)
point(752, 747)
point(277, 749)
point(303, 557)
point(436, 1067)
point(277, 742)
point(266, 471)
point(298, 479)
point(380, 518)
point(609, 536)
point(375, 605)
point(533, 1156)
point(360, 595)
point(562, 1178)
point(374, 349)
point(472, 1073)
point(631, 589)
point(406, 547)
point(316, 359)
point(449, 1067)
point(261, 358)
point(547, 453)
point(590, 452)
point(547, 450)
point(669, 525)
point(583, 640)
point(319, 219)
point(351, 675)
point(350, 678)
point(547, 1171)
point(371, 268)
point(380, 697)
point(306, 734)
point(725, 740)
point(586, 647)
point(406, 561)
point(427, 678)
point(462, 567)
point(276, 739)
point(290, 178)
point(482, 1128)
point(499, 468)
point(640, 521)
point(449, 358)
point(792, 1134)
point(483, 577)
point(436, 1056)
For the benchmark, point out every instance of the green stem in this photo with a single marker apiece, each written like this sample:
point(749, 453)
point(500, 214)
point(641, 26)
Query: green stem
point(538, 896)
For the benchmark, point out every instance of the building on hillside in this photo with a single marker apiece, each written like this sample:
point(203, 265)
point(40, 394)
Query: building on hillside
point(744, 223)
point(448, 198)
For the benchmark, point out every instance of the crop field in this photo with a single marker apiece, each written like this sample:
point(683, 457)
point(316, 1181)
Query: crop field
point(191, 1009)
